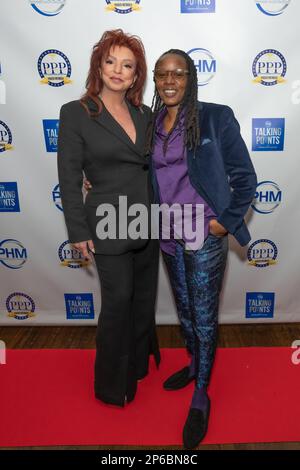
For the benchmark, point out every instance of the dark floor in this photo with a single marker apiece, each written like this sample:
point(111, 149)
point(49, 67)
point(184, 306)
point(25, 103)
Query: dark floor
point(169, 336)
point(278, 334)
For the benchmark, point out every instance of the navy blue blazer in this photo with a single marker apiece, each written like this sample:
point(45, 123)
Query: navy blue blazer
point(220, 169)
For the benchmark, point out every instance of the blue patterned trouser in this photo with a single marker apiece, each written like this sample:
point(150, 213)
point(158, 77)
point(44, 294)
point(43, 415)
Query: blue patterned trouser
point(196, 280)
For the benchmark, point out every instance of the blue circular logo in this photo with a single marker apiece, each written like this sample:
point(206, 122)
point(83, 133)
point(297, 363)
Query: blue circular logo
point(272, 7)
point(48, 7)
point(123, 6)
point(267, 198)
point(5, 137)
point(262, 253)
point(269, 67)
point(56, 197)
point(13, 254)
point(20, 306)
point(70, 257)
point(205, 65)
point(54, 68)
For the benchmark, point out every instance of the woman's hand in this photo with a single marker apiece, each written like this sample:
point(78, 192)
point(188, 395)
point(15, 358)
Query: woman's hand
point(83, 247)
point(217, 229)
point(86, 184)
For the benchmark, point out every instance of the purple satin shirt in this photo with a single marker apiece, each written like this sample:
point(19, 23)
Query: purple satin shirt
point(173, 180)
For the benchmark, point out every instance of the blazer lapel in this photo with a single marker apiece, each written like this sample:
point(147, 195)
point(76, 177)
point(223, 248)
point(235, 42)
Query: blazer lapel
point(139, 122)
point(106, 120)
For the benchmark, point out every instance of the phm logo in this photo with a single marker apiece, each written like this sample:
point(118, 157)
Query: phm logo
point(268, 196)
point(13, 254)
point(20, 306)
point(123, 7)
point(262, 253)
point(269, 67)
point(54, 68)
point(272, 7)
point(48, 7)
point(205, 65)
point(70, 257)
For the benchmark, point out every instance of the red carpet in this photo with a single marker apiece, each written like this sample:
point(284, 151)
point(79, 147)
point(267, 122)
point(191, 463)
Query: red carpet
point(47, 399)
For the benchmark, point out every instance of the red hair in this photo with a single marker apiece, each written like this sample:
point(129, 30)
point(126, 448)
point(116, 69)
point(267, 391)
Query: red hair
point(100, 52)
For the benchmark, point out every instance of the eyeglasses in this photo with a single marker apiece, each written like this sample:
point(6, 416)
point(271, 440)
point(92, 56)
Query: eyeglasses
point(177, 74)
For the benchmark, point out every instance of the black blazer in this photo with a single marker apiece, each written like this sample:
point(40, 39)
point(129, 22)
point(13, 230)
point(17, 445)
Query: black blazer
point(114, 165)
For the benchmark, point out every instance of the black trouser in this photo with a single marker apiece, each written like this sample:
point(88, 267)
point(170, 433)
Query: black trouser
point(126, 334)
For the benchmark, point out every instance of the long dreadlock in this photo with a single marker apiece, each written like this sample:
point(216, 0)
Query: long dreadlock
point(189, 104)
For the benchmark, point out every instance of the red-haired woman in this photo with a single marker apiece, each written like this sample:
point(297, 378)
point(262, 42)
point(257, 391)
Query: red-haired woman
point(103, 135)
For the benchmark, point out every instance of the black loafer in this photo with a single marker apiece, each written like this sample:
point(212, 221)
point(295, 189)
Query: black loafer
point(195, 427)
point(178, 380)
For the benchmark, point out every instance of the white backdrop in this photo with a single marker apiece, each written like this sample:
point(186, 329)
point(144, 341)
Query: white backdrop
point(34, 280)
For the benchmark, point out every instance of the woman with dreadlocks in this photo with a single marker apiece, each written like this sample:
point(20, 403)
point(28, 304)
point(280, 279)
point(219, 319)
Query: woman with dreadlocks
point(197, 157)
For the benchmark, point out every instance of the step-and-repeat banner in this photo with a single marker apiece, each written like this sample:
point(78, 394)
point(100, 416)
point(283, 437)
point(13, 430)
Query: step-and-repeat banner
point(247, 56)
